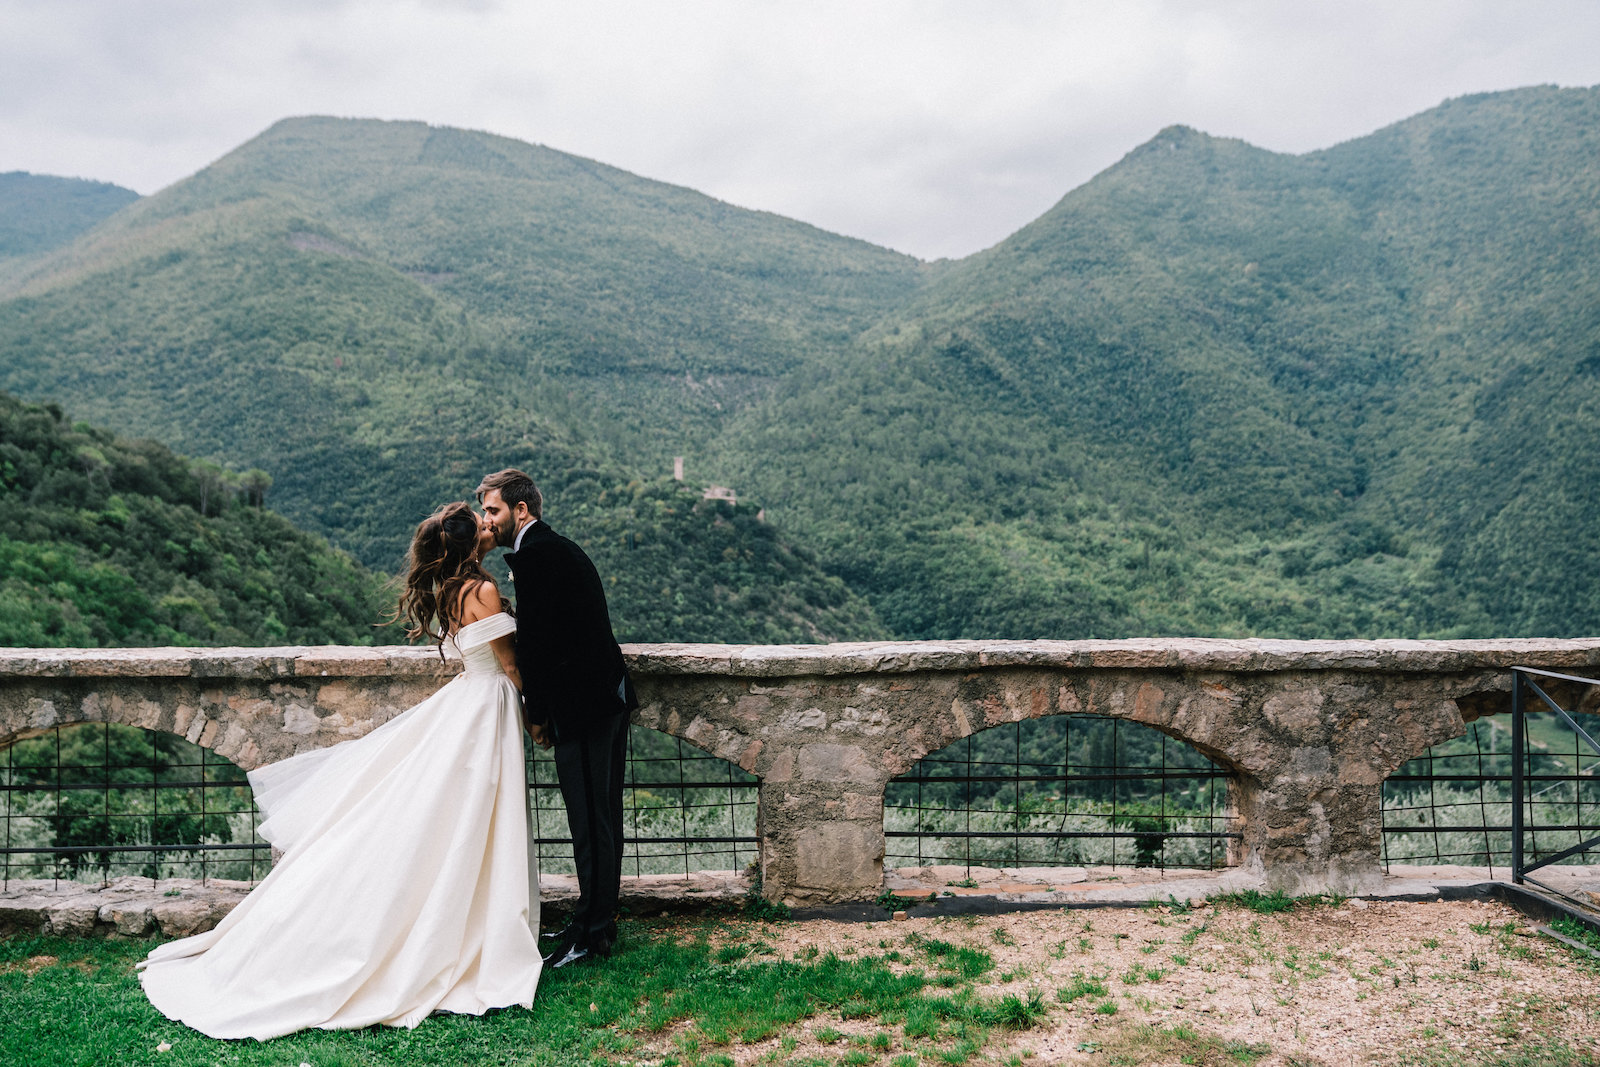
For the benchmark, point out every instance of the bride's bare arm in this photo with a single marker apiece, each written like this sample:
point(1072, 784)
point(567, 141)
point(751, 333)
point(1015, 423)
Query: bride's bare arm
point(505, 650)
point(480, 602)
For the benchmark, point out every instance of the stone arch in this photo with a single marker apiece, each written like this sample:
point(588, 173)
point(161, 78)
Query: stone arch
point(1464, 820)
point(699, 720)
point(1077, 817)
point(664, 773)
point(1201, 715)
point(108, 793)
point(247, 721)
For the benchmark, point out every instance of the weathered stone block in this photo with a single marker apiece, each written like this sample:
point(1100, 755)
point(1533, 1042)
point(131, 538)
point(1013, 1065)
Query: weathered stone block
point(185, 918)
point(802, 719)
point(1297, 712)
point(131, 918)
point(73, 918)
point(862, 806)
point(839, 861)
point(837, 763)
point(24, 919)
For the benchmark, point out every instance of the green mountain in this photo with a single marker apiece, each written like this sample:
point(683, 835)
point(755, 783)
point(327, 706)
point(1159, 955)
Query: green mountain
point(1219, 390)
point(39, 213)
point(1214, 390)
point(401, 306)
point(105, 541)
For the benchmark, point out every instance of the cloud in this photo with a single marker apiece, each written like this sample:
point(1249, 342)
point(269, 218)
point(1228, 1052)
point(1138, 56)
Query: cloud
point(935, 128)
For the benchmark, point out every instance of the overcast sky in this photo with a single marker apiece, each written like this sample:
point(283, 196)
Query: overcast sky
point(934, 128)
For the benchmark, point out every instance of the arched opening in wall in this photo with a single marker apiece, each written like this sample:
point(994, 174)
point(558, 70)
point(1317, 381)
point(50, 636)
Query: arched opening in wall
point(100, 801)
point(684, 810)
point(1453, 804)
point(1061, 791)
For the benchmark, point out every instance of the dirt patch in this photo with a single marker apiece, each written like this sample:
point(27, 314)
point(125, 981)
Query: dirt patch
point(1361, 983)
point(34, 964)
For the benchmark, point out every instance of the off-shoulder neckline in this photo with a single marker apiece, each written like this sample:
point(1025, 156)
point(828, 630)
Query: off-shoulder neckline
point(479, 622)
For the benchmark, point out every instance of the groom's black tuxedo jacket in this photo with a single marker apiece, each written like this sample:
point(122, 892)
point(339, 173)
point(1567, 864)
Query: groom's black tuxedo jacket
point(572, 670)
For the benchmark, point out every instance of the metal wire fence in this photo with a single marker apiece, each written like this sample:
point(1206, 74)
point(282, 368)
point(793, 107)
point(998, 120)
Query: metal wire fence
point(1067, 790)
point(685, 810)
point(97, 802)
point(1453, 804)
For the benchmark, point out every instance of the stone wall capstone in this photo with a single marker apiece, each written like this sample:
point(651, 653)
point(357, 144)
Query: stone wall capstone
point(1308, 730)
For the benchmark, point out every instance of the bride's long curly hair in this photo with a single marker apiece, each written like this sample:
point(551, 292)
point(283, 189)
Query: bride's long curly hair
point(443, 564)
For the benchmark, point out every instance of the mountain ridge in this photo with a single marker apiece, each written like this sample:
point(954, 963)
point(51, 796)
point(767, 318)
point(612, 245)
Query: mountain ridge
point(1206, 339)
point(41, 212)
point(1214, 389)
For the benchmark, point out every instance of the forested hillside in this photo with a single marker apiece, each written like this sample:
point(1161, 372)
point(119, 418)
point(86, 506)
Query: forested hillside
point(1218, 390)
point(1215, 390)
point(39, 212)
point(402, 306)
point(105, 541)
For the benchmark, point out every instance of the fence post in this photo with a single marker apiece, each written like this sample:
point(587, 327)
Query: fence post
point(1518, 742)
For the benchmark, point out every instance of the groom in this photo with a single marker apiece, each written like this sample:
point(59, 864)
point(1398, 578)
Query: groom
point(575, 693)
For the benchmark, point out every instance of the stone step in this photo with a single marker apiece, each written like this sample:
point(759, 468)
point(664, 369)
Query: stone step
point(133, 907)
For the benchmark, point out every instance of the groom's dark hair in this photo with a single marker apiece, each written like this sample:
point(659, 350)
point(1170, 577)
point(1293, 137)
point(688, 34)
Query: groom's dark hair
point(515, 488)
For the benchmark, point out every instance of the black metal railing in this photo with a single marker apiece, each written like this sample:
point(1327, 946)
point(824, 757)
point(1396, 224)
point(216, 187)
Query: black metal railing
point(1574, 835)
point(685, 809)
point(1451, 805)
point(94, 802)
point(1501, 792)
point(99, 801)
point(1066, 790)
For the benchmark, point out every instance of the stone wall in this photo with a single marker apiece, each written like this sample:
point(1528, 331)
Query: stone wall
point(1309, 730)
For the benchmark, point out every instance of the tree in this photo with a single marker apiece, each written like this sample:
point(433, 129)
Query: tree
point(254, 484)
point(214, 481)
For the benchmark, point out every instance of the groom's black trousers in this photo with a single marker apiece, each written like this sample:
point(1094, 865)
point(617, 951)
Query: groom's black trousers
point(589, 768)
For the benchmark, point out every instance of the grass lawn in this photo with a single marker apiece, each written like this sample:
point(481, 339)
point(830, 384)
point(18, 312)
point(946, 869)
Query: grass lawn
point(666, 997)
point(1239, 980)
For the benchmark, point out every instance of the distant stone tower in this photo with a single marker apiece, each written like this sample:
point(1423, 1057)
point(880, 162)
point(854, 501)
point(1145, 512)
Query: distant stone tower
point(677, 468)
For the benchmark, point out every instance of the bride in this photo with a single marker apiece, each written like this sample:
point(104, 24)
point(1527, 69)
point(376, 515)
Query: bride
point(407, 883)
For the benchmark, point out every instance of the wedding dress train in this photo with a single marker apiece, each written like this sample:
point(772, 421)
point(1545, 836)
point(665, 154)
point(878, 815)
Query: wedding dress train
point(407, 885)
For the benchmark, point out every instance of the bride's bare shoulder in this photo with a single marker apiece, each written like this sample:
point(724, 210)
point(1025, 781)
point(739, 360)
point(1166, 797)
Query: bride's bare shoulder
point(479, 601)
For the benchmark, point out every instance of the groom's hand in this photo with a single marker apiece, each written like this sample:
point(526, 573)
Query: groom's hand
point(540, 737)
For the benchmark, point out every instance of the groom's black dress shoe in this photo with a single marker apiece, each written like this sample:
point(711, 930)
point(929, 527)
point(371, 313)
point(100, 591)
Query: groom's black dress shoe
point(569, 952)
point(566, 954)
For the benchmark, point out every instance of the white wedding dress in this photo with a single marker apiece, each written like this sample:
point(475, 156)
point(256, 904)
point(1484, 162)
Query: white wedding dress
point(408, 883)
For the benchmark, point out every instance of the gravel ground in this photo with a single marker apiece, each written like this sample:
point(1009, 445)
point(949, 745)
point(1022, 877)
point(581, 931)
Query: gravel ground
point(1360, 983)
